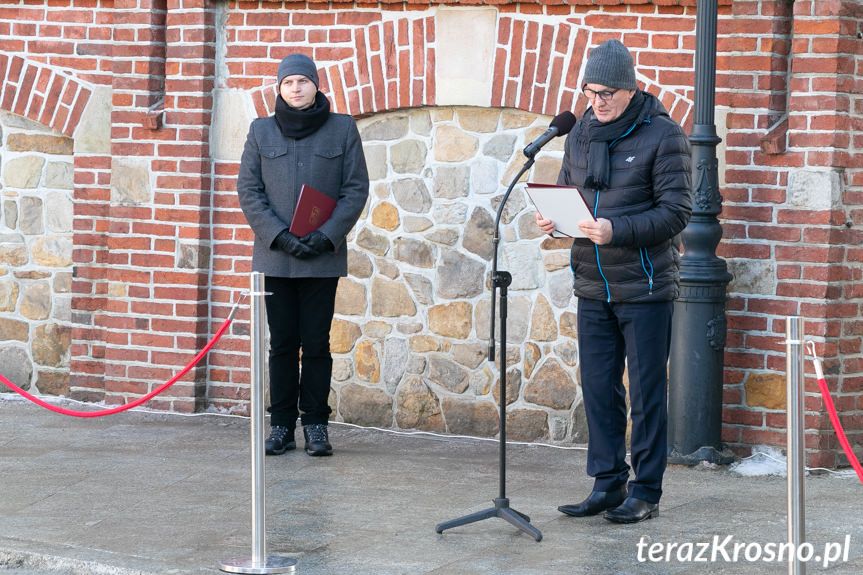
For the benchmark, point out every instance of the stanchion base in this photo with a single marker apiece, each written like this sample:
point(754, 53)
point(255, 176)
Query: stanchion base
point(501, 509)
point(270, 564)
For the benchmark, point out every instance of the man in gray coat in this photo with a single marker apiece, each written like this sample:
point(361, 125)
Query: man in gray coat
point(301, 144)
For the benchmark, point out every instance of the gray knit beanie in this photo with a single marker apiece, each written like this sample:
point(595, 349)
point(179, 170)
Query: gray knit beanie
point(301, 64)
point(610, 64)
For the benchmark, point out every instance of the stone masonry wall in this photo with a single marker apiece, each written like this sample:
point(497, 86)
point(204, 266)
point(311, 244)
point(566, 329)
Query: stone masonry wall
point(410, 336)
point(35, 255)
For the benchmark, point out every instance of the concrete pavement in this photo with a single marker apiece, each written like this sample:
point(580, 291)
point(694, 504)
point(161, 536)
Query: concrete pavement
point(143, 493)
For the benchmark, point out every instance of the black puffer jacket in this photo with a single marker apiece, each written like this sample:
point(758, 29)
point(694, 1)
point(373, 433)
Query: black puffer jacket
point(648, 203)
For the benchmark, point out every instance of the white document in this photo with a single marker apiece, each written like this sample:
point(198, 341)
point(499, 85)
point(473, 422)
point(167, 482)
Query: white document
point(564, 205)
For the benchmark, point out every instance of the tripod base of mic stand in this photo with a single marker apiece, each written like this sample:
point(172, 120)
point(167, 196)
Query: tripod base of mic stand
point(501, 509)
point(270, 564)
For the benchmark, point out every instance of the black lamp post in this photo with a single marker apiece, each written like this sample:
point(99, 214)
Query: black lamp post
point(698, 333)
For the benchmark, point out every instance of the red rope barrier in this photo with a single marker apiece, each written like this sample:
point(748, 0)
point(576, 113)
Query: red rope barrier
point(840, 433)
point(138, 401)
point(834, 419)
point(837, 425)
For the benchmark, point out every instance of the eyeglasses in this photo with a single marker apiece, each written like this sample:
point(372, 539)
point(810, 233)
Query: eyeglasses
point(604, 95)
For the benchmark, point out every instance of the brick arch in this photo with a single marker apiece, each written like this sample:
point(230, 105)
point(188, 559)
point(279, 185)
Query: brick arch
point(536, 67)
point(678, 105)
point(36, 91)
point(387, 68)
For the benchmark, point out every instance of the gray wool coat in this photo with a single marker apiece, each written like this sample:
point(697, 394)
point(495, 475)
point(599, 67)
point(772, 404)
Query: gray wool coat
point(273, 168)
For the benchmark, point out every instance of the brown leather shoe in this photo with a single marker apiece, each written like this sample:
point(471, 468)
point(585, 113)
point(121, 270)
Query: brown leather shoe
point(596, 502)
point(633, 510)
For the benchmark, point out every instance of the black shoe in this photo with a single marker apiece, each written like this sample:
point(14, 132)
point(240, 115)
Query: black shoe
point(281, 439)
point(317, 439)
point(633, 510)
point(596, 502)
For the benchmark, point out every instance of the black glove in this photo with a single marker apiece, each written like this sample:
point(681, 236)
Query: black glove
point(318, 242)
point(291, 244)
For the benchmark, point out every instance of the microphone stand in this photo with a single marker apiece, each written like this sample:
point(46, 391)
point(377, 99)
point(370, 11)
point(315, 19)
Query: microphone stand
point(500, 279)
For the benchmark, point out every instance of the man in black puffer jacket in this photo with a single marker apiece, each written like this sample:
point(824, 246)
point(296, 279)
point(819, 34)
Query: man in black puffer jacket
point(632, 163)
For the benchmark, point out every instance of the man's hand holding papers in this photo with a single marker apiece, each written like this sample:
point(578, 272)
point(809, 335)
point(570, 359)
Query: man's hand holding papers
point(569, 210)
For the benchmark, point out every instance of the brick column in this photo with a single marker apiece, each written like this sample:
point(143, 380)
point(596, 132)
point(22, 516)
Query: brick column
point(794, 193)
point(825, 275)
point(183, 190)
point(155, 312)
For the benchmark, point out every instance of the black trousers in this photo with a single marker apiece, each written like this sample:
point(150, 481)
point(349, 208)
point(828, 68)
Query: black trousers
point(610, 337)
point(299, 313)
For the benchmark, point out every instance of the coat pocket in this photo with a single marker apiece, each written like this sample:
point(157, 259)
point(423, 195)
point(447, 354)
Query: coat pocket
point(274, 165)
point(327, 167)
point(271, 152)
point(330, 153)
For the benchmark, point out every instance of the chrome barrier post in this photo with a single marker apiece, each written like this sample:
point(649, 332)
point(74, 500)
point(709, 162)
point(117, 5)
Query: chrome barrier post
point(259, 562)
point(794, 357)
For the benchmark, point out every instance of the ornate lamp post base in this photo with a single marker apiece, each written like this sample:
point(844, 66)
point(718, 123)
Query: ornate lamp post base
point(696, 363)
point(696, 367)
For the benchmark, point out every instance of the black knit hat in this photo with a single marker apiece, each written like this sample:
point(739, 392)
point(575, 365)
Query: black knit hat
point(301, 64)
point(610, 64)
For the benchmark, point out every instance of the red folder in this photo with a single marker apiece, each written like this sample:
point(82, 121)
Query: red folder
point(313, 209)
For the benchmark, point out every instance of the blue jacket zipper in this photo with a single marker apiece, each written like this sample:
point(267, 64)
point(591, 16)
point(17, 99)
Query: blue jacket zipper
point(596, 206)
point(596, 250)
point(646, 258)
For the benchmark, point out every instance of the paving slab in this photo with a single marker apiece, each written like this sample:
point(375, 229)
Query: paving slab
point(146, 493)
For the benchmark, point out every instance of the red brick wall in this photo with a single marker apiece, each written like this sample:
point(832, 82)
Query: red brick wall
point(791, 76)
point(154, 281)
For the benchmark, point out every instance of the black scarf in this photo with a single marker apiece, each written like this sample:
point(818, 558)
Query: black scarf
point(300, 123)
point(599, 135)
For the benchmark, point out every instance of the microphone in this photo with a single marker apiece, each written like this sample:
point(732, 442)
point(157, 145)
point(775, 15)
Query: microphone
point(560, 125)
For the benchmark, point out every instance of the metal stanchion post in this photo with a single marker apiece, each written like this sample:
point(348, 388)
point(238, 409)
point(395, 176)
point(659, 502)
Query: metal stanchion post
point(794, 356)
point(259, 562)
